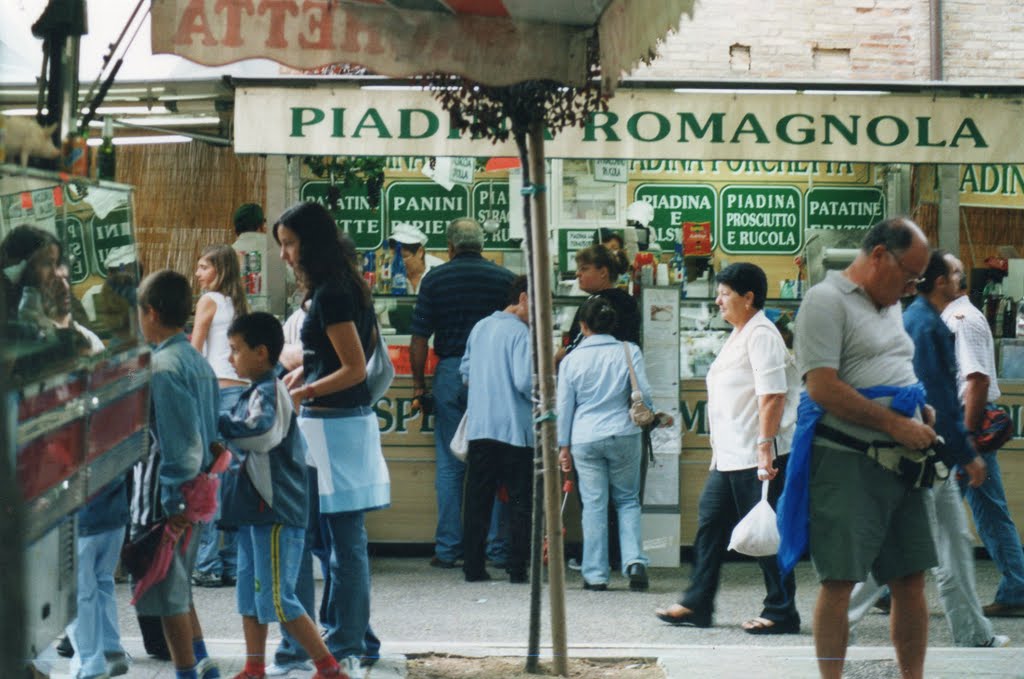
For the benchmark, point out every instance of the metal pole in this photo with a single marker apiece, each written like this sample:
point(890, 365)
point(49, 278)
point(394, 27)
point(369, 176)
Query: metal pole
point(546, 378)
point(537, 527)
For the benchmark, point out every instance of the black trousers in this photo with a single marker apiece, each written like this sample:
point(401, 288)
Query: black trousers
point(489, 464)
point(726, 498)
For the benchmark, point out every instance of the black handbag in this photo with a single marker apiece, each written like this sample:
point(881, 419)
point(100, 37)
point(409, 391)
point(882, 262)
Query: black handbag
point(137, 555)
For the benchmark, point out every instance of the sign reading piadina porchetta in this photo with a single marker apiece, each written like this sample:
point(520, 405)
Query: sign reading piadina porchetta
point(646, 124)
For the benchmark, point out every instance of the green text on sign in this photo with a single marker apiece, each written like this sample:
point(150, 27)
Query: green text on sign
point(427, 206)
point(73, 234)
point(490, 201)
point(760, 220)
point(844, 208)
point(108, 233)
point(675, 204)
point(569, 242)
point(353, 214)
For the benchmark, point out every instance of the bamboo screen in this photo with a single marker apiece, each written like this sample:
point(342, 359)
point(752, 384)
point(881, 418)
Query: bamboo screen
point(185, 196)
point(982, 231)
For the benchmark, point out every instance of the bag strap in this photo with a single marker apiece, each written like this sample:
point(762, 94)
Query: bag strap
point(629, 362)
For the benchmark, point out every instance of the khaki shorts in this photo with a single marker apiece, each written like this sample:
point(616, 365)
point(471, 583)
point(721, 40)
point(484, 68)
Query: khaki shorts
point(864, 519)
point(173, 594)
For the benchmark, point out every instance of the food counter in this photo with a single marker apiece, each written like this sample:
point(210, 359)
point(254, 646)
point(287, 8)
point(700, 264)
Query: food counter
point(409, 442)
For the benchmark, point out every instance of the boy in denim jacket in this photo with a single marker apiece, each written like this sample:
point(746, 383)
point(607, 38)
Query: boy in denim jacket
point(184, 400)
point(267, 501)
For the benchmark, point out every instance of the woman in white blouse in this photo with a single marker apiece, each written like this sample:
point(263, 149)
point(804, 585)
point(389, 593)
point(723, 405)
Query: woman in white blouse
point(752, 398)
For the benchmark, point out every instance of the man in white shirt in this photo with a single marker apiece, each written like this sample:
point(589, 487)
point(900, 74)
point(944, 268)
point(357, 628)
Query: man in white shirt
point(975, 355)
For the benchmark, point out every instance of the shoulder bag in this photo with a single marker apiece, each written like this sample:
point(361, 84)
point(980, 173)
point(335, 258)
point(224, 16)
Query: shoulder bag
point(380, 371)
point(639, 413)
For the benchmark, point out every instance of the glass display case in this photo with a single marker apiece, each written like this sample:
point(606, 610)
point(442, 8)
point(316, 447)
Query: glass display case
point(702, 332)
point(75, 372)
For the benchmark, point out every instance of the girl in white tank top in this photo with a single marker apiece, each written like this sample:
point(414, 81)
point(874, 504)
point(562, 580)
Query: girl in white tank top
point(218, 274)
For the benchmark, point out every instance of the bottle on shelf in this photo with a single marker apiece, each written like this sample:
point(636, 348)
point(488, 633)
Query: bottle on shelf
point(105, 162)
point(678, 266)
point(384, 273)
point(370, 269)
point(399, 280)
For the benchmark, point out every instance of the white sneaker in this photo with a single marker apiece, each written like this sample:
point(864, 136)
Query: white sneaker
point(350, 666)
point(575, 565)
point(997, 641)
point(207, 669)
point(284, 669)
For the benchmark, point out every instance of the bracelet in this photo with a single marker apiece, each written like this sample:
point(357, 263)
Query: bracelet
point(766, 440)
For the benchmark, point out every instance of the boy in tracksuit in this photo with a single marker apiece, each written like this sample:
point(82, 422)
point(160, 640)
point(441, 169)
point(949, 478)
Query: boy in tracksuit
point(267, 501)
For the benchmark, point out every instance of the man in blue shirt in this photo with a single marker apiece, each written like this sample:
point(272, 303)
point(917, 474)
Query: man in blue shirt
point(452, 298)
point(497, 369)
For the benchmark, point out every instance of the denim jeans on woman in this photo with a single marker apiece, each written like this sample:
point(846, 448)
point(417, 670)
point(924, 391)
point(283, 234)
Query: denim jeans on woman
point(610, 465)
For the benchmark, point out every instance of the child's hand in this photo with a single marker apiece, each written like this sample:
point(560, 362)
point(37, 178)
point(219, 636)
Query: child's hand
point(295, 378)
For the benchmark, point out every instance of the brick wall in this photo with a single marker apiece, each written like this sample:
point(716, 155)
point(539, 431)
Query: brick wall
point(842, 40)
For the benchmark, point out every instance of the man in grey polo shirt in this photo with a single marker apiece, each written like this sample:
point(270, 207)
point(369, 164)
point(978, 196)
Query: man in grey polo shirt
point(863, 518)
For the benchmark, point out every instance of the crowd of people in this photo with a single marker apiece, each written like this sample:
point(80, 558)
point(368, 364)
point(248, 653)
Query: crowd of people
point(861, 438)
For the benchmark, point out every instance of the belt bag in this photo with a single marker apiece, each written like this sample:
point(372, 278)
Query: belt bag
point(917, 469)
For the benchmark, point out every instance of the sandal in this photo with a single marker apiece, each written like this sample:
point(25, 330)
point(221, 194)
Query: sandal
point(677, 614)
point(761, 625)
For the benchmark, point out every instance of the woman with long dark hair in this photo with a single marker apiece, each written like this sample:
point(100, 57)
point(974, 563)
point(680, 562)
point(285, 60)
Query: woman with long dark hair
point(336, 415)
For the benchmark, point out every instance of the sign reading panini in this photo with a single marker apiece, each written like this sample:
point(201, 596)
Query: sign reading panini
point(646, 124)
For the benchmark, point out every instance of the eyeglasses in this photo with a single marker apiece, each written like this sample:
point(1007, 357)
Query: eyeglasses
point(914, 278)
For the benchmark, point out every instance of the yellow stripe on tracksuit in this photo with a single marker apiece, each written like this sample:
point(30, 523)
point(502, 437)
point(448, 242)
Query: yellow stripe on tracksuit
point(275, 570)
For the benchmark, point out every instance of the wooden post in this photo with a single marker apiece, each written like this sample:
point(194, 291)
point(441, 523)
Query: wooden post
point(541, 261)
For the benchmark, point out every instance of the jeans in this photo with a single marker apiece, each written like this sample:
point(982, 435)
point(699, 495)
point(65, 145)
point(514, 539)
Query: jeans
point(728, 497)
point(491, 462)
point(348, 598)
point(217, 550)
point(612, 463)
point(94, 633)
point(449, 405)
point(954, 576)
point(997, 531)
point(317, 544)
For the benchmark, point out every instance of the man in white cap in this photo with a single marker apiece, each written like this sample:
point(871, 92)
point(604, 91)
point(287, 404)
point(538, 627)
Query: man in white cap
point(414, 253)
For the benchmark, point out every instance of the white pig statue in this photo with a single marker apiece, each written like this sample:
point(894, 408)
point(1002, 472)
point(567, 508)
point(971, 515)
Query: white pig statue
point(24, 138)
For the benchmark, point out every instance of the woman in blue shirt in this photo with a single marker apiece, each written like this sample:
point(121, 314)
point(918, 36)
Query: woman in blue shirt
point(336, 415)
point(596, 434)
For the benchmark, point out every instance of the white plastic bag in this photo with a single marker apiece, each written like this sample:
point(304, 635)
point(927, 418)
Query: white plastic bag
point(758, 533)
point(459, 445)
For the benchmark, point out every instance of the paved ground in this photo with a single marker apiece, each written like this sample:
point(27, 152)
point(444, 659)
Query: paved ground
point(418, 609)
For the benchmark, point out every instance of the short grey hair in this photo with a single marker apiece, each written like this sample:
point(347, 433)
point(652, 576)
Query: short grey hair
point(465, 234)
point(895, 234)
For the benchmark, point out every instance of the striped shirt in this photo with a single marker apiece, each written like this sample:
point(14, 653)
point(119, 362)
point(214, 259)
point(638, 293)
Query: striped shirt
point(454, 296)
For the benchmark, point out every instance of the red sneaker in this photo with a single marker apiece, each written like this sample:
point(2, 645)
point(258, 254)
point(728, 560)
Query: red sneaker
point(245, 675)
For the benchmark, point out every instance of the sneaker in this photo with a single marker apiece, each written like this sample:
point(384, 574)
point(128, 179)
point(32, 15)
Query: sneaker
point(118, 663)
point(245, 675)
point(206, 579)
point(998, 641)
point(438, 562)
point(207, 669)
point(282, 669)
point(228, 581)
point(351, 666)
point(574, 565)
point(595, 586)
point(638, 581)
point(64, 648)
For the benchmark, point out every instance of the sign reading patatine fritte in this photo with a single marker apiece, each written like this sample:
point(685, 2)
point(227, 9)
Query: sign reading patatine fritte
point(646, 124)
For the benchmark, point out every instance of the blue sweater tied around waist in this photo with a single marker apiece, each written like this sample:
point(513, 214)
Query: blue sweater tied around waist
point(794, 505)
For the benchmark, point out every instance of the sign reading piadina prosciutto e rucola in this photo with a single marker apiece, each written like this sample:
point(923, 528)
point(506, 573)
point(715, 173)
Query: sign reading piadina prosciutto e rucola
point(330, 120)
